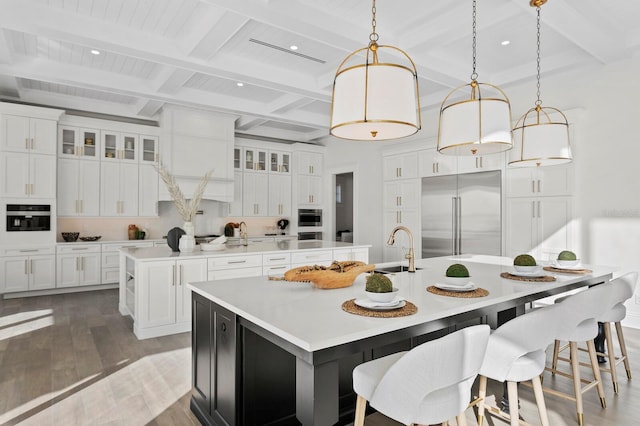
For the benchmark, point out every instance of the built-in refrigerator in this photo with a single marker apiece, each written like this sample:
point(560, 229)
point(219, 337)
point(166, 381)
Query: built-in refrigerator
point(461, 214)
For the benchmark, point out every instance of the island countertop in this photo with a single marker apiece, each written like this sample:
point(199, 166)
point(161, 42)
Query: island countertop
point(161, 253)
point(312, 319)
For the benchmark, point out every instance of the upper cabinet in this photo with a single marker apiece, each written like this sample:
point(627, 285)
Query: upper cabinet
point(432, 163)
point(117, 146)
point(26, 134)
point(149, 149)
point(309, 163)
point(540, 181)
point(255, 159)
point(279, 162)
point(75, 142)
point(480, 163)
point(400, 166)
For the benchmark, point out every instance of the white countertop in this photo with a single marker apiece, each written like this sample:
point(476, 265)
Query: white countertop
point(312, 319)
point(160, 253)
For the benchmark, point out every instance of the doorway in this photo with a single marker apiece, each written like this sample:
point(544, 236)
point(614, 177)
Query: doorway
point(344, 207)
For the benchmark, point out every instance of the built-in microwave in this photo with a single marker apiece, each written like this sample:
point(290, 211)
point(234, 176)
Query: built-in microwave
point(311, 235)
point(309, 217)
point(28, 217)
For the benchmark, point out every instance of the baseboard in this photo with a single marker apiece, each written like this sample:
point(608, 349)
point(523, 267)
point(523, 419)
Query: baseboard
point(59, 291)
point(632, 320)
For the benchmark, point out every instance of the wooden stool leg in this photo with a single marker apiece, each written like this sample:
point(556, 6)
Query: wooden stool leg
point(542, 408)
point(461, 419)
point(611, 355)
point(623, 349)
point(361, 406)
point(596, 372)
point(512, 391)
point(482, 395)
point(556, 351)
point(577, 385)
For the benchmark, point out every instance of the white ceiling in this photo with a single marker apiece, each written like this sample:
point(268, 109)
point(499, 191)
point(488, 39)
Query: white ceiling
point(194, 52)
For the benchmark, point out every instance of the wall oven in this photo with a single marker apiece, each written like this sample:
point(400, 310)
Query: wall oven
point(310, 235)
point(28, 217)
point(309, 217)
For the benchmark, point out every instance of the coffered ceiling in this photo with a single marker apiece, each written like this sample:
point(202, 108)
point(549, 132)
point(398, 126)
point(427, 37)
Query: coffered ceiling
point(195, 52)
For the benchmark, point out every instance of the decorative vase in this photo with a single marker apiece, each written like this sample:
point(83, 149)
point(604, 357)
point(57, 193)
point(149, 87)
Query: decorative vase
point(187, 243)
point(189, 229)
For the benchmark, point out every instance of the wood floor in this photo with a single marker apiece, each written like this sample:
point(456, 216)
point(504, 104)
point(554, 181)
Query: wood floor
point(73, 360)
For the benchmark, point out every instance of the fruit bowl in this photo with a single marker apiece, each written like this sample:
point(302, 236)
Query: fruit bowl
point(568, 263)
point(382, 297)
point(94, 238)
point(70, 237)
point(461, 281)
point(528, 269)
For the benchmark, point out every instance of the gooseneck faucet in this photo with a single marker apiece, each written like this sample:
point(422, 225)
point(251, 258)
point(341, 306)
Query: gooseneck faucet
point(411, 254)
point(244, 234)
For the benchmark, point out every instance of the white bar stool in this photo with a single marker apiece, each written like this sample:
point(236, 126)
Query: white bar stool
point(427, 385)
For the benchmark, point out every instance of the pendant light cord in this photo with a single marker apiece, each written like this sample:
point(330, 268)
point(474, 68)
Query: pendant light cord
point(539, 101)
point(474, 74)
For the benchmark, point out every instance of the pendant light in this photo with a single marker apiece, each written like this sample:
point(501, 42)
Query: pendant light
point(475, 119)
point(541, 135)
point(376, 99)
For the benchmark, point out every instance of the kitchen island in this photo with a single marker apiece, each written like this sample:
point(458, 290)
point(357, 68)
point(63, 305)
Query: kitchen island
point(153, 281)
point(281, 352)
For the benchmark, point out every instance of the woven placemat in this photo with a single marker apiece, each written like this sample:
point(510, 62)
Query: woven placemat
point(408, 309)
point(542, 279)
point(568, 271)
point(478, 292)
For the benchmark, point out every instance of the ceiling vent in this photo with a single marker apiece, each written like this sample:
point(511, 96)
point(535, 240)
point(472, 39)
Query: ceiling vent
point(285, 50)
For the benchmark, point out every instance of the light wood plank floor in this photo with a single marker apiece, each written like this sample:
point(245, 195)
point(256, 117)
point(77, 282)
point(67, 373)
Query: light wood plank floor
point(73, 360)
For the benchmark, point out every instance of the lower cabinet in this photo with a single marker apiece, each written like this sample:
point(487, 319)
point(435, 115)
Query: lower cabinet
point(163, 298)
point(111, 259)
point(28, 269)
point(221, 268)
point(358, 254)
point(78, 265)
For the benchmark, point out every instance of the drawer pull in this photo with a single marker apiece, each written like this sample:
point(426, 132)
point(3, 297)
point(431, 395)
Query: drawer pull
point(28, 251)
point(237, 261)
point(278, 258)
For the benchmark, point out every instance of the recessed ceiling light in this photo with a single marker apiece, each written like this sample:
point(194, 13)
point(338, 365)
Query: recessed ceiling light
point(239, 84)
point(506, 42)
point(293, 47)
point(95, 52)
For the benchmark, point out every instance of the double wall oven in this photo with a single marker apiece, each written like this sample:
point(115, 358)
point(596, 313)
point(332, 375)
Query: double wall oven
point(309, 224)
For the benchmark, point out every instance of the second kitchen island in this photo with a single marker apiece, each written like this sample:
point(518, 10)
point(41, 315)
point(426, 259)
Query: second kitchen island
point(153, 281)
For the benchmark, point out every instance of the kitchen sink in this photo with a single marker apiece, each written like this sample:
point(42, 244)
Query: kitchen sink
point(393, 269)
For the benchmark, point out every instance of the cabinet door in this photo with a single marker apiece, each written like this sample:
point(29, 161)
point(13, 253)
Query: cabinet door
point(67, 271)
point(279, 195)
point(15, 133)
point(15, 174)
point(522, 232)
point(255, 159)
point(129, 148)
point(310, 190)
point(279, 162)
point(42, 272)
point(42, 171)
point(189, 271)
point(43, 135)
point(401, 166)
point(14, 273)
point(109, 189)
point(478, 163)
point(89, 269)
point(68, 184)
point(235, 207)
point(68, 142)
point(149, 146)
point(554, 220)
point(411, 220)
point(432, 163)
point(129, 189)
point(156, 294)
point(255, 196)
point(88, 188)
point(148, 191)
point(402, 194)
point(309, 163)
point(556, 180)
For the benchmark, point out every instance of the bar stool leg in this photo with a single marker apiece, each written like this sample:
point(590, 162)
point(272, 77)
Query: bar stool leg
point(577, 385)
point(542, 408)
point(612, 358)
point(361, 405)
point(512, 388)
point(461, 419)
point(623, 349)
point(556, 351)
point(482, 394)
point(596, 372)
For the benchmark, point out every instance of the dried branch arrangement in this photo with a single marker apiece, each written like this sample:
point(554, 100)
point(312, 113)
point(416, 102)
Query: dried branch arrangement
point(187, 209)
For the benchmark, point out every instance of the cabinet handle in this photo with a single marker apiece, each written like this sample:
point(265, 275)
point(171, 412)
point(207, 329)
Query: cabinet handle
point(437, 167)
point(26, 143)
point(533, 209)
point(173, 275)
point(234, 262)
point(433, 167)
point(400, 197)
point(476, 162)
point(181, 274)
point(26, 267)
point(33, 190)
point(538, 185)
point(80, 248)
point(278, 267)
point(28, 251)
point(81, 207)
point(31, 266)
point(26, 189)
point(33, 143)
point(400, 213)
point(77, 263)
point(277, 258)
point(481, 162)
point(82, 263)
point(538, 209)
point(533, 186)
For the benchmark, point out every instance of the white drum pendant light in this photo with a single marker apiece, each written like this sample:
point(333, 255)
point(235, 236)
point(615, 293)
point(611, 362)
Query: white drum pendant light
point(475, 119)
point(541, 135)
point(377, 99)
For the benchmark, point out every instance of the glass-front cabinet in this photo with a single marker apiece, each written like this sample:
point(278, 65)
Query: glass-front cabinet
point(118, 146)
point(149, 145)
point(255, 159)
point(237, 159)
point(75, 142)
point(279, 162)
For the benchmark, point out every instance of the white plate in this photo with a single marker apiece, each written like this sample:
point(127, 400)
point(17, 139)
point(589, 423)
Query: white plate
point(457, 288)
point(540, 273)
point(577, 267)
point(379, 306)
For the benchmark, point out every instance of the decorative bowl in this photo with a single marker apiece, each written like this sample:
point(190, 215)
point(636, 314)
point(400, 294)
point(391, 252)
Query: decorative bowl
point(528, 269)
point(461, 281)
point(338, 275)
point(567, 263)
point(94, 238)
point(382, 297)
point(70, 237)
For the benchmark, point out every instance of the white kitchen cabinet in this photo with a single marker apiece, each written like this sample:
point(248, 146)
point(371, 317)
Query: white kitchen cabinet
point(235, 207)
point(400, 166)
point(346, 254)
point(540, 181)
point(480, 163)
point(27, 134)
point(402, 194)
point(309, 163)
point(237, 158)
point(255, 194)
point(110, 265)
point(255, 159)
point(311, 257)
point(78, 265)
point(276, 263)
point(162, 296)
point(220, 268)
point(118, 189)
point(78, 188)
point(148, 187)
point(119, 147)
point(309, 191)
point(149, 149)
point(27, 175)
point(432, 163)
point(279, 195)
point(539, 226)
point(279, 162)
point(28, 269)
point(76, 142)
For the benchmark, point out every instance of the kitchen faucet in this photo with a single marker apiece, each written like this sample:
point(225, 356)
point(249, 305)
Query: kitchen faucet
point(244, 234)
point(410, 255)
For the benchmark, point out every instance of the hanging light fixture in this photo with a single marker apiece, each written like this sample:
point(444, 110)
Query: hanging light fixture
point(475, 118)
point(377, 99)
point(541, 135)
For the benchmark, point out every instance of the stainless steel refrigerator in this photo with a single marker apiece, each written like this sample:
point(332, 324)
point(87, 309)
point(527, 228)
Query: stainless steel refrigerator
point(461, 214)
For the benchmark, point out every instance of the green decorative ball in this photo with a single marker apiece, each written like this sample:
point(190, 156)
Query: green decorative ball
point(378, 283)
point(524, 260)
point(457, 270)
point(567, 255)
